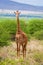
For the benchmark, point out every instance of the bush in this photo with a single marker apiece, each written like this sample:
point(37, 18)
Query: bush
point(35, 25)
point(8, 28)
point(4, 38)
point(38, 35)
point(9, 25)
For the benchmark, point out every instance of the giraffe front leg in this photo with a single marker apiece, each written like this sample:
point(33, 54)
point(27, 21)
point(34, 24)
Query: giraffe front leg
point(17, 49)
point(25, 51)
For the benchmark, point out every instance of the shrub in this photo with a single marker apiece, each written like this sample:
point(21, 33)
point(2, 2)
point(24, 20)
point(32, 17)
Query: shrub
point(4, 38)
point(35, 25)
point(8, 28)
point(9, 25)
point(38, 35)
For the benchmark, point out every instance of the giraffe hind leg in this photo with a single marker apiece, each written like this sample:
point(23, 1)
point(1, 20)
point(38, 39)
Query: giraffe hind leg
point(24, 51)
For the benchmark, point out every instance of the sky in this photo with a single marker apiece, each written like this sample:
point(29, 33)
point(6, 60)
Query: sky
point(31, 2)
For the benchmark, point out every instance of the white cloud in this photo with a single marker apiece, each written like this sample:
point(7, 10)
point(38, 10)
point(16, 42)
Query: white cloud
point(32, 2)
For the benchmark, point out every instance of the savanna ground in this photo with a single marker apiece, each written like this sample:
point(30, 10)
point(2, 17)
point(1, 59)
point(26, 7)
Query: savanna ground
point(34, 53)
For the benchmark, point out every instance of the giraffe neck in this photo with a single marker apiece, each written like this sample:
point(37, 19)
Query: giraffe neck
point(18, 24)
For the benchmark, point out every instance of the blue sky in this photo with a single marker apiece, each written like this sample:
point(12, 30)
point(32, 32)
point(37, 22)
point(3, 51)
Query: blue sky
point(32, 2)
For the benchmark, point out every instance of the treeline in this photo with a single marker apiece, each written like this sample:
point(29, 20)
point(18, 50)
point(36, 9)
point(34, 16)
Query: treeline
point(8, 27)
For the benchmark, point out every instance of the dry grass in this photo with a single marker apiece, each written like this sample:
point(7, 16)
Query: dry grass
point(34, 51)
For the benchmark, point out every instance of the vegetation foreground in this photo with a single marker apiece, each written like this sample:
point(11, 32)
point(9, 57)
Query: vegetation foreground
point(34, 30)
point(34, 54)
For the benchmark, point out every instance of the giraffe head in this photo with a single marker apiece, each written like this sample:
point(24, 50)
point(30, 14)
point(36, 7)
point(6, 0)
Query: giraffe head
point(17, 13)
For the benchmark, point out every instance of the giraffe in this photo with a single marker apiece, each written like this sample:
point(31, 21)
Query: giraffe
point(20, 37)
